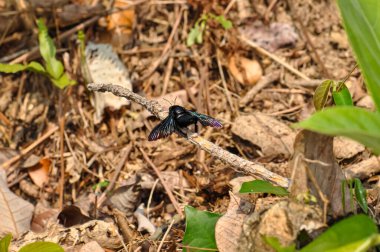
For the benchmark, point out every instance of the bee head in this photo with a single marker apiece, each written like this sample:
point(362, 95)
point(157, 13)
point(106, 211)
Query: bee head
point(177, 109)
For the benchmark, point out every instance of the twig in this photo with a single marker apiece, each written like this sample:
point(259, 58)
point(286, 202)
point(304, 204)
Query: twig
point(273, 57)
point(166, 234)
point(265, 81)
point(225, 89)
point(167, 189)
point(25, 151)
point(238, 163)
point(150, 198)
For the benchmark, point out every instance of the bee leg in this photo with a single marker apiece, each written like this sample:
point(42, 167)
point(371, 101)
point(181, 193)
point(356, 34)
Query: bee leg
point(196, 127)
point(181, 133)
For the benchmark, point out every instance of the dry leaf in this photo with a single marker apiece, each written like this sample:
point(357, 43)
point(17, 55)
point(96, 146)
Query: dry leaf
point(283, 220)
point(106, 67)
point(271, 135)
point(245, 71)
point(40, 172)
point(346, 148)
point(15, 212)
point(92, 246)
point(143, 221)
point(126, 198)
point(229, 227)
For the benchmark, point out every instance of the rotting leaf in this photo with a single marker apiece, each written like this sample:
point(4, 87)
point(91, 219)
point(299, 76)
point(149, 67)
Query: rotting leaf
point(262, 186)
point(15, 212)
point(321, 94)
point(200, 229)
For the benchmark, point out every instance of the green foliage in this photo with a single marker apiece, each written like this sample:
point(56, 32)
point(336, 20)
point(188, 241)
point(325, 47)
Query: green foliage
point(200, 229)
point(4, 243)
point(357, 190)
point(355, 233)
point(262, 186)
point(196, 33)
point(53, 68)
point(276, 245)
point(41, 246)
point(341, 94)
point(361, 21)
point(101, 185)
point(356, 123)
point(321, 94)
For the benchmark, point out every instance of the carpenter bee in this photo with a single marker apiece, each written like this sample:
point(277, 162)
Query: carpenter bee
point(180, 118)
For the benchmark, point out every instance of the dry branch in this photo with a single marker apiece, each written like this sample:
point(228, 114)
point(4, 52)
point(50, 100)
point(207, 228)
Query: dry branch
point(237, 163)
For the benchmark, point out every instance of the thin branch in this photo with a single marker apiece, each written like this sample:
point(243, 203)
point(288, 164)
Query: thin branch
point(237, 163)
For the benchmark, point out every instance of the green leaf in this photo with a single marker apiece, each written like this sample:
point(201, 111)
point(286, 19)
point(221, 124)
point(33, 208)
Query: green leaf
point(276, 245)
point(344, 233)
point(101, 185)
point(14, 68)
point(355, 123)
point(193, 36)
point(41, 246)
point(227, 24)
point(321, 94)
point(200, 229)
point(262, 186)
point(47, 49)
point(361, 21)
point(361, 195)
point(4, 243)
point(359, 246)
point(64, 81)
point(342, 97)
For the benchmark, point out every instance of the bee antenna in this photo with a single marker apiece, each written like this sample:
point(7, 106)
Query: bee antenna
point(168, 101)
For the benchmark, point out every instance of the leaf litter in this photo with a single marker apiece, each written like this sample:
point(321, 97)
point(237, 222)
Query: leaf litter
point(188, 76)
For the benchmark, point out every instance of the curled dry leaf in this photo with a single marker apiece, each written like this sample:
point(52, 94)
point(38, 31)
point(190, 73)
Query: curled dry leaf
point(106, 67)
point(39, 173)
point(229, 227)
point(245, 71)
point(15, 213)
point(272, 136)
point(127, 197)
point(143, 222)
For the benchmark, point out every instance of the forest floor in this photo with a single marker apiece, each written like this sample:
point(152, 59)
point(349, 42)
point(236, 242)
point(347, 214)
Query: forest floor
point(70, 147)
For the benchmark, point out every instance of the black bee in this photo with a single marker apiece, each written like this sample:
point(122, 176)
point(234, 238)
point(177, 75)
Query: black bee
point(179, 118)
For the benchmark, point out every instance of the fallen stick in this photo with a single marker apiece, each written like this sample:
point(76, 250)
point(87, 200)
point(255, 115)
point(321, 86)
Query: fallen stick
point(237, 163)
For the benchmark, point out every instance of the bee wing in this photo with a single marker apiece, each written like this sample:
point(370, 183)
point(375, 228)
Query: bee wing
point(206, 120)
point(163, 129)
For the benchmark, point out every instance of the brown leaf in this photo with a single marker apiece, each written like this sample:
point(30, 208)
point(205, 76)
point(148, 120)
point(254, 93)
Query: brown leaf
point(271, 135)
point(40, 172)
point(15, 212)
point(72, 215)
